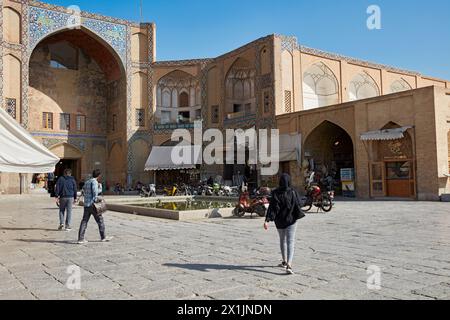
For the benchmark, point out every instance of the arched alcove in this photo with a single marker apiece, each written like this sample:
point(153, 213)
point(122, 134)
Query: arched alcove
point(12, 25)
point(320, 87)
point(177, 95)
point(400, 85)
point(240, 89)
point(139, 47)
point(362, 86)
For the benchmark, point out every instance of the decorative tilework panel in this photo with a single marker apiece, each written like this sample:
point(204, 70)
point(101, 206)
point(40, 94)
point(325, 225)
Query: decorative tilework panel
point(43, 22)
point(140, 117)
point(11, 107)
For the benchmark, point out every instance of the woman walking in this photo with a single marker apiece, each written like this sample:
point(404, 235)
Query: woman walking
point(285, 211)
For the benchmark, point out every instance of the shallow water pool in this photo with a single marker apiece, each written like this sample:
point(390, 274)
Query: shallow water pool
point(186, 205)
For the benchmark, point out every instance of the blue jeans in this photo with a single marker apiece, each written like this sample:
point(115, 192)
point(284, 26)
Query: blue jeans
point(287, 243)
point(65, 204)
point(88, 212)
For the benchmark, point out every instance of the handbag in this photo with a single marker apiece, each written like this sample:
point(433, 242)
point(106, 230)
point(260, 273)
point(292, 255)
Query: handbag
point(100, 207)
point(81, 201)
point(298, 207)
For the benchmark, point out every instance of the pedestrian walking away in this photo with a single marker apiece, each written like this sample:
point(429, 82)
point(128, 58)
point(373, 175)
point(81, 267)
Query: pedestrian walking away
point(285, 211)
point(91, 193)
point(66, 195)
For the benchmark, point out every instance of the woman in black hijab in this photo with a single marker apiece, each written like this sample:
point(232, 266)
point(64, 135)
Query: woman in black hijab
point(285, 211)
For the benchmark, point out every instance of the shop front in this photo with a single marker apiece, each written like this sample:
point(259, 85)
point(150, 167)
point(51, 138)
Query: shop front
point(392, 164)
point(174, 165)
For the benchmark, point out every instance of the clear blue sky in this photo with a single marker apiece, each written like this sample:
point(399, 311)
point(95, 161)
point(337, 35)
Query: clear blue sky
point(415, 34)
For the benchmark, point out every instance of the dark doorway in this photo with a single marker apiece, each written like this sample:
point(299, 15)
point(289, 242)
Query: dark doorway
point(72, 164)
point(241, 172)
point(329, 149)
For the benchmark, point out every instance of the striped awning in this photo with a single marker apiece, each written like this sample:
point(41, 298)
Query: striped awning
point(385, 135)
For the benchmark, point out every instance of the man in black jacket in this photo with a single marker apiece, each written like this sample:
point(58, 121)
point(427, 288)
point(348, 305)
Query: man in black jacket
point(66, 195)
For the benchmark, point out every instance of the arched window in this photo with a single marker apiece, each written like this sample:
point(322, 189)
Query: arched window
point(363, 86)
point(166, 99)
point(400, 85)
point(320, 87)
point(183, 100)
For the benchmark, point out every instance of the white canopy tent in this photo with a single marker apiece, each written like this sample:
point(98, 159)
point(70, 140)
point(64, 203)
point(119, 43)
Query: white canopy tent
point(165, 158)
point(20, 152)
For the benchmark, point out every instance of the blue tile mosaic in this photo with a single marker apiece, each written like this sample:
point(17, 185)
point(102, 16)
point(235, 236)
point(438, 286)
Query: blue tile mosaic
point(43, 22)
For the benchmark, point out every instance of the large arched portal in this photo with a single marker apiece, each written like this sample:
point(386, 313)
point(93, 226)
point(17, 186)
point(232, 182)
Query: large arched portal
point(329, 149)
point(77, 95)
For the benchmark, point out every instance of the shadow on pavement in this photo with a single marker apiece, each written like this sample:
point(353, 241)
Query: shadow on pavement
point(246, 217)
point(28, 229)
point(47, 241)
point(208, 267)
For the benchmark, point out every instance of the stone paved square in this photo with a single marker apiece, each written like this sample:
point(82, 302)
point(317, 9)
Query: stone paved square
point(227, 258)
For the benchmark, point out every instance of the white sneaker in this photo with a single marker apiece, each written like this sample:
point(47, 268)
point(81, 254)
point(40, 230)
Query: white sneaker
point(107, 239)
point(82, 242)
point(68, 229)
point(289, 270)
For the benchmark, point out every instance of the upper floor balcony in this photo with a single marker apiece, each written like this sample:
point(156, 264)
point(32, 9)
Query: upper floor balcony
point(240, 114)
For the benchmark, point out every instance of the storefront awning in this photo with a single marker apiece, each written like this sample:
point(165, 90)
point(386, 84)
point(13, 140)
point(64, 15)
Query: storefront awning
point(172, 158)
point(20, 152)
point(384, 135)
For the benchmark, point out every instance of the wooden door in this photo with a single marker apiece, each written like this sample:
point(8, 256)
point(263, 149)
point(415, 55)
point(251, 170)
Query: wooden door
point(377, 179)
point(400, 179)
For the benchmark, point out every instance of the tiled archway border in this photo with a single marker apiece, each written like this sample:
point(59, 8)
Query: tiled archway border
point(115, 32)
point(40, 20)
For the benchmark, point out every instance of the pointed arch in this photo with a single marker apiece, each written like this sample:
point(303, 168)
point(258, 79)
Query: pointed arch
point(178, 91)
point(320, 87)
point(331, 149)
point(400, 85)
point(12, 71)
point(12, 25)
point(363, 86)
point(239, 87)
point(89, 45)
point(65, 150)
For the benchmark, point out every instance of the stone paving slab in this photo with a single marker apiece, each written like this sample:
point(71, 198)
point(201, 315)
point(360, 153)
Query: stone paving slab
point(227, 258)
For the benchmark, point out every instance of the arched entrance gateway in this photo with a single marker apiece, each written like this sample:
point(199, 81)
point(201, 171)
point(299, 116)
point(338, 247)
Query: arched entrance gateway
point(77, 91)
point(329, 150)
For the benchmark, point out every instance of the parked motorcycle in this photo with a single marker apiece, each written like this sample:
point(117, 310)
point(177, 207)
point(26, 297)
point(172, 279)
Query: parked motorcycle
point(171, 191)
point(315, 196)
point(230, 191)
point(205, 190)
point(258, 205)
point(148, 191)
point(328, 184)
point(217, 190)
point(185, 190)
